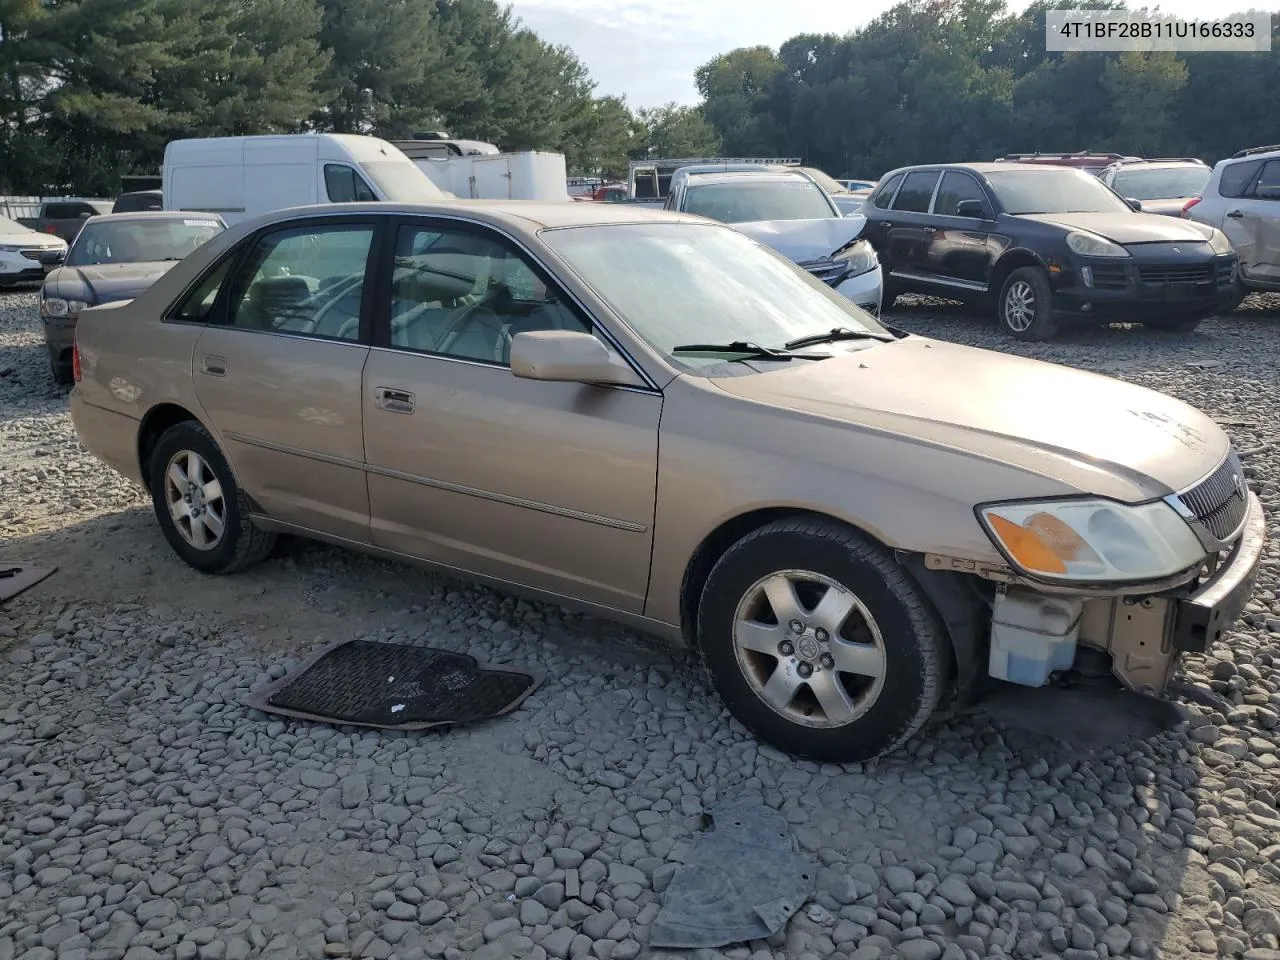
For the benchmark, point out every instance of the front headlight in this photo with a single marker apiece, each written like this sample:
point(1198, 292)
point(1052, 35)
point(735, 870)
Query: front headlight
point(58, 307)
point(1092, 540)
point(860, 256)
point(1092, 245)
point(1219, 243)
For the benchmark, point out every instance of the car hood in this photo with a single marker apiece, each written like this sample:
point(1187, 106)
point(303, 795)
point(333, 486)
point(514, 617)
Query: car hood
point(1091, 433)
point(105, 282)
point(1125, 227)
point(802, 240)
point(31, 238)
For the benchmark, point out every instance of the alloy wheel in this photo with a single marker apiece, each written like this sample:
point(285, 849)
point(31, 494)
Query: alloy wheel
point(1020, 306)
point(195, 500)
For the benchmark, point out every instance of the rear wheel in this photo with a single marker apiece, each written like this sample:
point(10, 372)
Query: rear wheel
point(1025, 307)
point(819, 643)
point(203, 513)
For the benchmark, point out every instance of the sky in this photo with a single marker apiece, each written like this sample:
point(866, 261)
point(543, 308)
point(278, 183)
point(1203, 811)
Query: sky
point(648, 50)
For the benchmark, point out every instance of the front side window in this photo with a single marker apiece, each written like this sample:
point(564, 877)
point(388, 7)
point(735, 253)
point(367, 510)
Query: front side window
point(916, 192)
point(956, 188)
point(466, 294)
point(305, 280)
point(685, 283)
point(1053, 191)
point(344, 185)
point(744, 201)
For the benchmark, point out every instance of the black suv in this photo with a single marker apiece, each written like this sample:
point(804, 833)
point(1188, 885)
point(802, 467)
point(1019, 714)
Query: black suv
point(1044, 245)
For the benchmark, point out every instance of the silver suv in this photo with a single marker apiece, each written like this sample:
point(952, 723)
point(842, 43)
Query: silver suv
point(1162, 186)
point(1242, 199)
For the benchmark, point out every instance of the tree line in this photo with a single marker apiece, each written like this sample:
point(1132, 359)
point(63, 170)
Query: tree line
point(931, 81)
point(93, 89)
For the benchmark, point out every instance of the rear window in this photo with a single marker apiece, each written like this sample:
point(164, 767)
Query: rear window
point(1170, 183)
point(916, 192)
point(1236, 177)
point(68, 211)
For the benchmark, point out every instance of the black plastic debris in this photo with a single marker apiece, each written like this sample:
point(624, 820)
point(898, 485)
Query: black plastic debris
point(394, 686)
point(741, 881)
point(17, 576)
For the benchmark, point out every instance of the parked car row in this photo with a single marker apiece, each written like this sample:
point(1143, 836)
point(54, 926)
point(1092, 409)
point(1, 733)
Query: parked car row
point(651, 416)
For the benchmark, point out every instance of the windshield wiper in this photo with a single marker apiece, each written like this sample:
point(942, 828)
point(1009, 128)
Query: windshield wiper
point(832, 336)
point(748, 349)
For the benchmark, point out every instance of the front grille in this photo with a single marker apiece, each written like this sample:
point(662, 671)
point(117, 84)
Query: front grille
point(1110, 276)
point(1171, 273)
point(827, 270)
point(42, 255)
point(1220, 500)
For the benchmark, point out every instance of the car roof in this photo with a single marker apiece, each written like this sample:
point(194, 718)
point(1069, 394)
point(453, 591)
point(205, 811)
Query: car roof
point(981, 167)
point(1159, 164)
point(734, 176)
point(153, 215)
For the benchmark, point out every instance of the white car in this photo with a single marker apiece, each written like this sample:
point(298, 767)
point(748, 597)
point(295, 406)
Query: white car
point(1242, 199)
point(26, 254)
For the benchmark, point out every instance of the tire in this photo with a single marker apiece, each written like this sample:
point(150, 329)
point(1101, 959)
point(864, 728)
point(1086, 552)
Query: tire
point(61, 370)
point(889, 295)
point(1029, 287)
point(239, 544)
point(896, 633)
point(1173, 324)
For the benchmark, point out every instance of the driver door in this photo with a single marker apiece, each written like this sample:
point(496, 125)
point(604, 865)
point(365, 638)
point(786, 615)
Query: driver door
point(548, 485)
point(279, 377)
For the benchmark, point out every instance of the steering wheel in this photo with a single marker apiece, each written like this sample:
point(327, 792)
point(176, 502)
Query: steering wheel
point(464, 319)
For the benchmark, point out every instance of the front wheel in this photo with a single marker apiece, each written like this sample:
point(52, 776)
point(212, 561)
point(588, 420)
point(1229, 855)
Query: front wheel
point(819, 643)
point(203, 513)
point(1025, 307)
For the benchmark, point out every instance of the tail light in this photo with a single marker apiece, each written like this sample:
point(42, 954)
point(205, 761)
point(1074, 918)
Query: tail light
point(75, 361)
point(51, 230)
point(1186, 208)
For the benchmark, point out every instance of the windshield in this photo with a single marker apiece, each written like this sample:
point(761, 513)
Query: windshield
point(746, 202)
point(140, 241)
point(1053, 191)
point(683, 283)
point(1172, 183)
point(402, 181)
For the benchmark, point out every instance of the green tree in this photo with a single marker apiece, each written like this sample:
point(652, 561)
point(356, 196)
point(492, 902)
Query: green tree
point(601, 138)
point(735, 89)
point(676, 131)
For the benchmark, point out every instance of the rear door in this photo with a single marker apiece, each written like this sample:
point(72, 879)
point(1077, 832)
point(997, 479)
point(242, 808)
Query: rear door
point(1252, 223)
point(549, 485)
point(279, 375)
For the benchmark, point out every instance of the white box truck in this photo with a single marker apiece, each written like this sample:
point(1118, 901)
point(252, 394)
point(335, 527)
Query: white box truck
point(478, 171)
point(241, 177)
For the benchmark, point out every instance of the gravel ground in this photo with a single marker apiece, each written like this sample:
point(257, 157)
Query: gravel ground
point(145, 813)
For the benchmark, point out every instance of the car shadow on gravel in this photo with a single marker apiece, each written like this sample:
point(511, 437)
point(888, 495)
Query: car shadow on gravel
point(26, 382)
point(1063, 846)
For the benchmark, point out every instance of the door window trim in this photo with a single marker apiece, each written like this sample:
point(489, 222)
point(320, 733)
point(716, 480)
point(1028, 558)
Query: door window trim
point(218, 315)
point(381, 339)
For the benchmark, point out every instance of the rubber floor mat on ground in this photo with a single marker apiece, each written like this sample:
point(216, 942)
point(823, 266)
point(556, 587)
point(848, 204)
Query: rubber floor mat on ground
point(394, 686)
point(17, 576)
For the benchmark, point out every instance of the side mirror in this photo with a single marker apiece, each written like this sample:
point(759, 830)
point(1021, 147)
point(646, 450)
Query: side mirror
point(974, 209)
point(568, 356)
point(1134, 204)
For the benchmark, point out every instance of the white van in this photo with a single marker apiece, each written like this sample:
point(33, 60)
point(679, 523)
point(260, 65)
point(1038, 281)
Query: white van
point(241, 177)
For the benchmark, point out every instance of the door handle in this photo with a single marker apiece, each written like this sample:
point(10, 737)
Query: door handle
point(886, 223)
point(930, 229)
point(393, 400)
point(214, 366)
point(1235, 215)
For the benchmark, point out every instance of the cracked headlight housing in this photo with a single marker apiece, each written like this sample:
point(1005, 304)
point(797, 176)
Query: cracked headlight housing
point(859, 256)
point(1089, 540)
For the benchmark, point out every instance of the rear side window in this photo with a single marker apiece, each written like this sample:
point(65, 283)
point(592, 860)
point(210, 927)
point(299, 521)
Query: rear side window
point(916, 192)
point(344, 185)
point(956, 187)
point(197, 306)
point(1268, 185)
point(885, 193)
point(1236, 178)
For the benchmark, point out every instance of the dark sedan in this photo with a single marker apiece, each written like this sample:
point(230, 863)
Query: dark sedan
point(1044, 245)
point(114, 257)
